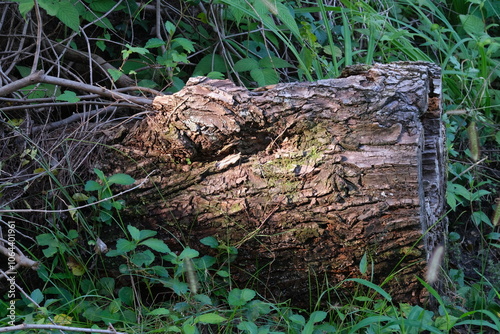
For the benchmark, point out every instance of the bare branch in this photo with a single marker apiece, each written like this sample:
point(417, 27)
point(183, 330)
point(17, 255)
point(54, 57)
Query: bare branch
point(52, 327)
point(21, 259)
point(82, 206)
point(39, 77)
point(73, 118)
point(18, 84)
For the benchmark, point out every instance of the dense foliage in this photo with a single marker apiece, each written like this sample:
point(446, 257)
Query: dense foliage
point(143, 48)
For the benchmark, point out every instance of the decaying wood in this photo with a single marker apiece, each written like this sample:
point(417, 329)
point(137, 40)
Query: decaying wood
point(303, 178)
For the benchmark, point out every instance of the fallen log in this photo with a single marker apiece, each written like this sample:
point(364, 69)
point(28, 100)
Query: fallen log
point(305, 179)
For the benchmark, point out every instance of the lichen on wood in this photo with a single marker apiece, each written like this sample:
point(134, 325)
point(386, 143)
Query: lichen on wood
point(304, 178)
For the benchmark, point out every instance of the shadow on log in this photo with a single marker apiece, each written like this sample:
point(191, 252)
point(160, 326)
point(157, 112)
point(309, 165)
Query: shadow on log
point(303, 178)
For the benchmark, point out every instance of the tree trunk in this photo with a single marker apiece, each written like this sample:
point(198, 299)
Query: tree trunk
point(303, 178)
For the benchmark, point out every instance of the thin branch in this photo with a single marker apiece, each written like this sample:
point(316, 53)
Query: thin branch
point(21, 83)
point(60, 104)
point(52, 327)
point(81, 97)
point(73, 118)
point(39, 77)
point(38, 38)
point(21, 259)
point(468, 169)
point(79, 207)
point(13, 282)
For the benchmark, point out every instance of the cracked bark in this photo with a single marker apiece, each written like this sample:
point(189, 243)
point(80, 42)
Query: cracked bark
point(304, 178)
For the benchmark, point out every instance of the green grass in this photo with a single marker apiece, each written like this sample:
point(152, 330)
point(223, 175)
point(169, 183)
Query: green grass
point(262, 42)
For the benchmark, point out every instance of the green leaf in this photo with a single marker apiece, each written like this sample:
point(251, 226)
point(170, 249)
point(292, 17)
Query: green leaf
point(105, 216)
point(156, 245)
point(445, 322)
point(363, 265)
point(50, 6)
point(210, 318)
point(46, 239)
point(215, 75)
point(274, 62)
point(134, 232)
point(246, 64)
point(123, 179)
point(222, 273)
point(92, 186)
point(473, 25)
point(132, 49)
point(107, 206)
point(203, 299)
point(106, 286)
point(205, 262)
point(139, 50)
point(115, 306)
point(454, 236)
point(180, 288)
point(102, 22)
point(154, 43)
point(189, 328)
point(479, 217)
point(451, 200)
point(159, 311)
point(69, 15)
point(188, 253)
point(118, 205)
point(209, 63)
point(248, 327)
point(37, 296)
point(147, 83)
point(179, 57)
point(186, 44)
point(298, 319)
point(239, 297)
point(124, 246)
point(478, 194)
point(371, 286)
point(100, 174)
point(160, 271)
point(284, 14)
point(25, 6)
point(317, 316)
point(126, 295)
point(68, 96)
point(147, 234)
point(458, 189)
point(79, 197)
point(141, 259)
point(113, 253)
point(264, 76)
point(170, 27)
point(366, 322)
point(49, 252)
point(115, 74)
point(102, 5)
point(210, 242)
point(72, 234)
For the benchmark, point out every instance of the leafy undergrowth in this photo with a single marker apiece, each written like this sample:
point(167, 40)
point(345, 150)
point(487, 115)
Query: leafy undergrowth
point(147, 288)
point(192, 293)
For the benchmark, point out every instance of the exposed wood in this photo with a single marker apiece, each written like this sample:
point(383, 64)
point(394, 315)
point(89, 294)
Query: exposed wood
point(304, 178)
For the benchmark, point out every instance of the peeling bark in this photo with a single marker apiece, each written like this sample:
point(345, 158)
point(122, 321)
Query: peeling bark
point(304, 178)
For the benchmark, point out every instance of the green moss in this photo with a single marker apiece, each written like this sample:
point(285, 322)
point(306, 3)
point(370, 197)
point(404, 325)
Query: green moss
point(411, 251)
point(306, 233)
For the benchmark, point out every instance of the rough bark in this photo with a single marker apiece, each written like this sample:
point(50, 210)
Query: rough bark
point(303, 178)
